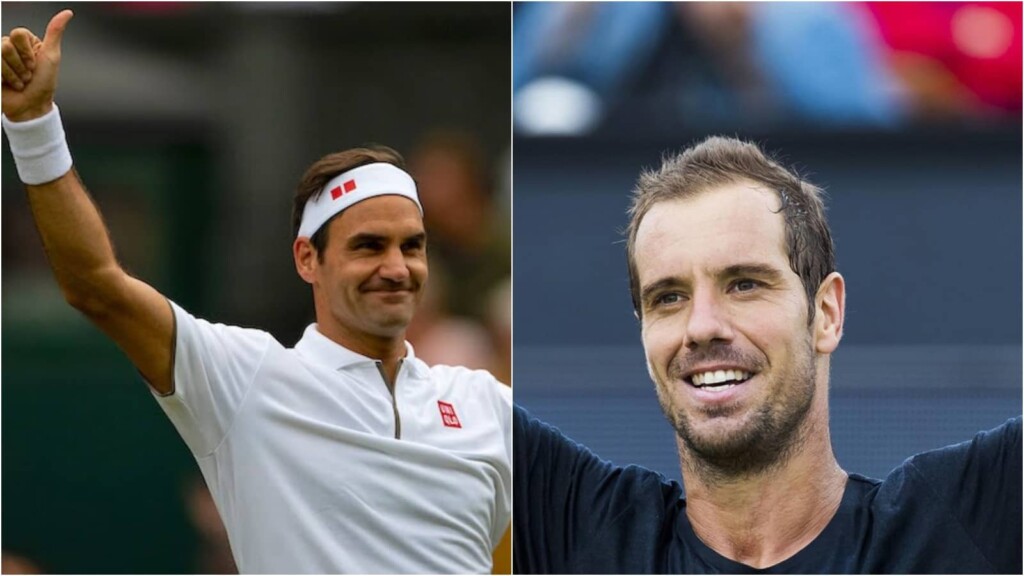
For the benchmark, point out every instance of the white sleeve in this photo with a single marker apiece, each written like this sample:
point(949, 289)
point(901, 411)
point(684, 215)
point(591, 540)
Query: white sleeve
point(214, 367)
point(504, 408)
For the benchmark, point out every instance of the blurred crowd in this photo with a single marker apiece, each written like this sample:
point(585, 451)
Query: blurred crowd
point(465, 318)
point(823, 64)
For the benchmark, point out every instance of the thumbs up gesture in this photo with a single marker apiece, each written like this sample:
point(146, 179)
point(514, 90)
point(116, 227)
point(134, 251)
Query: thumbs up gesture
point(30, 68)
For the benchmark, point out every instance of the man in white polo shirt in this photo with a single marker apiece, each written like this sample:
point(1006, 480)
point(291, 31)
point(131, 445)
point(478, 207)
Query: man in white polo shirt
point(344, 454)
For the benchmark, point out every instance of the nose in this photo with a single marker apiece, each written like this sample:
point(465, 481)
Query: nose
point(393, 266)
point(707, 322)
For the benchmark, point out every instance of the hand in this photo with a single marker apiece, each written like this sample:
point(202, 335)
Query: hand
point(30, 68)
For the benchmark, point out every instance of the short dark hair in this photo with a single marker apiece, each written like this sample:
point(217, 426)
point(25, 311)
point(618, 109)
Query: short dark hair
point(326, 168)
point(719, 161)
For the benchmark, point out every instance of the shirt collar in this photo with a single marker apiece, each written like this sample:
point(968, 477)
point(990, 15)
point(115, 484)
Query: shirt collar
point(315, 345)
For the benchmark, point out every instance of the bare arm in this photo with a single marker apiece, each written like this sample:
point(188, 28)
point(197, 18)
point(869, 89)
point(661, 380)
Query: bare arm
point(132, 313)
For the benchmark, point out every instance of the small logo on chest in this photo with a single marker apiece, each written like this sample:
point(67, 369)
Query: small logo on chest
point(448, 416)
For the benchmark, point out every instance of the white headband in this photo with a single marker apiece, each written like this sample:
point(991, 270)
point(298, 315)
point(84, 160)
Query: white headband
point(354, 186)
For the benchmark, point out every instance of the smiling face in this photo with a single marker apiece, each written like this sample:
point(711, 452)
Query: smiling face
point(725, 327)
point(371, 274)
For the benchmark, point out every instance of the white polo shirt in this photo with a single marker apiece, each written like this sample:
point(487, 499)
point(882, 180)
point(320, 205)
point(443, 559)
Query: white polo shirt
point(316, 468)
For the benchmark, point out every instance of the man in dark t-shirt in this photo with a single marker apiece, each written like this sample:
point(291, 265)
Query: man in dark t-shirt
point(953, 510)
point(733, 279)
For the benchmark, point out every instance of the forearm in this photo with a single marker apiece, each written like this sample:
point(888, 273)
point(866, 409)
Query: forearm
point(80, 252)
point(77, 243)
point(132, 313)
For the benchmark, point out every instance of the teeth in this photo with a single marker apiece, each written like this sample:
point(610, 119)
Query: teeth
point(719, 376)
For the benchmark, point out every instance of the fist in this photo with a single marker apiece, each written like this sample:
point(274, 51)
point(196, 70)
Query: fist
point(30, 68)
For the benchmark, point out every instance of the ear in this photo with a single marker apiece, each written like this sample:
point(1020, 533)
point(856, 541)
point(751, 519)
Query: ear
point(830, 306)
point(305, 258)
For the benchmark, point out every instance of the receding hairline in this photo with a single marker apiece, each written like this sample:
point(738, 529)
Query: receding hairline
point(739, 181)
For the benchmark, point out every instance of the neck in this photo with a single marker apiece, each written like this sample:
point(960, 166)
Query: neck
point(764, 518)
point(388, 349)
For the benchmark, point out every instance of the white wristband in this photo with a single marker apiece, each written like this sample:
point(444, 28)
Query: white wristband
point(39, 148)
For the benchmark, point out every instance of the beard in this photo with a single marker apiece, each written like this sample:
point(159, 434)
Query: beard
point(767, 435)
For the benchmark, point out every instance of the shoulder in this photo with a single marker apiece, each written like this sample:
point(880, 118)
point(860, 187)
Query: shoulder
point(991, 459)
point(462, 379)
point(964, 498)
point(540, 442)
point(952, 474)
point(998, 449)
point(578, 513)
point(215, 367)
point(545, 446)
point(191, 329)
point(467, 384)
point(459, 374)
point(205, 350)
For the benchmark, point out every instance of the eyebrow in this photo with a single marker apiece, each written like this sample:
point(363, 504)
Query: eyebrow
point(751, 269)
point(421, 238)
point(369, 237)
point(651, 289)
point(365, 237)
point(755, 269)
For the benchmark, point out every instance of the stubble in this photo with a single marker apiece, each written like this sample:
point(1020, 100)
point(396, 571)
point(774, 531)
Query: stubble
point(766, 438)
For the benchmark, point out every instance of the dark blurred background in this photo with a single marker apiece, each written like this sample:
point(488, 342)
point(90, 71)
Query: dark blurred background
point(190, 124)
point(908, 114)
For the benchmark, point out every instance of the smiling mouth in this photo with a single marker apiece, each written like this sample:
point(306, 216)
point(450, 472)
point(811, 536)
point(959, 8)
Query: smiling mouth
point(391, 297)
point(390, 290)
point(715, 380)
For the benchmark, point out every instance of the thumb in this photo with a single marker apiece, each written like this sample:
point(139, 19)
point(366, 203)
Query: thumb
point(55, 30)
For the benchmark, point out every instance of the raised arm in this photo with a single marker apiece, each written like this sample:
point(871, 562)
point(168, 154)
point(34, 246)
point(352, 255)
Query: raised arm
point(77, 244)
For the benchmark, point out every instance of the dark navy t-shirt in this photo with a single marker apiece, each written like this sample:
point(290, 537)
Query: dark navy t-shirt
point(952, 510)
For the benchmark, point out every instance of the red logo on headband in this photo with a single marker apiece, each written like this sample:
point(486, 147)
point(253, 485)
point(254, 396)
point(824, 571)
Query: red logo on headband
point(345, 188)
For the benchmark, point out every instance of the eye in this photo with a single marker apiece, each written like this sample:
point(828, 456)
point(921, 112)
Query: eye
point(745, 285)
point(371, 245)
point(412, 246)
point(667, 299)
